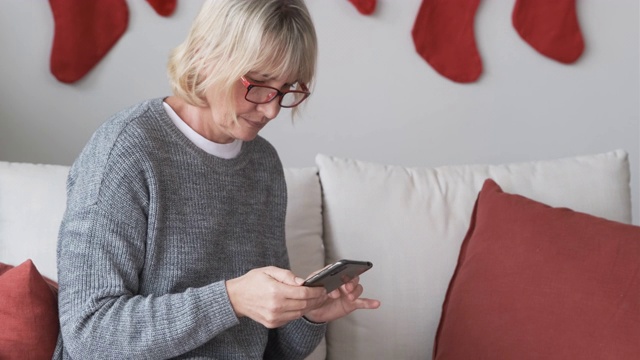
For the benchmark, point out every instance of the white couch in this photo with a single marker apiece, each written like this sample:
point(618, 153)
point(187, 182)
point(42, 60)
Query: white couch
point(409, 222)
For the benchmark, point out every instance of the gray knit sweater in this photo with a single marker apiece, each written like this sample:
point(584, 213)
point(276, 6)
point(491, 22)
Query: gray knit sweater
point(153, 228)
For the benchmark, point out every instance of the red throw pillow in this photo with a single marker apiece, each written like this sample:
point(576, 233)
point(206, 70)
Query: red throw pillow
point(536, 282)
point(28, 313)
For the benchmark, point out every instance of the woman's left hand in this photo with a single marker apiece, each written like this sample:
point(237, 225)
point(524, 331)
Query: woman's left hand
point(341, 302)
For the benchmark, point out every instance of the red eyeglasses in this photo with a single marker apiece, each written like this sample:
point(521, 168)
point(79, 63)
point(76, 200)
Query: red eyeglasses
point(262, 94)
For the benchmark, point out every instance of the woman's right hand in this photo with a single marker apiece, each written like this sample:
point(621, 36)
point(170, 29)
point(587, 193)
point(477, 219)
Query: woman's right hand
point(273, 296)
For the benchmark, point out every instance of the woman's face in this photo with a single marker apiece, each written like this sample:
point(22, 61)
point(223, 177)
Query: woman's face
point(251, 117)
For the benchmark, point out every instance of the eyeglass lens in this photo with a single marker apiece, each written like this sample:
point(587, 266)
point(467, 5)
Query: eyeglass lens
point(263, 94)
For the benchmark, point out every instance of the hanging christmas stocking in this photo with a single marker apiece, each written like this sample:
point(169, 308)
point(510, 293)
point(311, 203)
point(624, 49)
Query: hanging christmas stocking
point(443, 35)
point(163, 7)
point(365, 7)
point(551, 27)
point(84, 32)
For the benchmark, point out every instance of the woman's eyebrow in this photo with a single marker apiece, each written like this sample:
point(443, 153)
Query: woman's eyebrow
point(268, 77)
point(257, 75)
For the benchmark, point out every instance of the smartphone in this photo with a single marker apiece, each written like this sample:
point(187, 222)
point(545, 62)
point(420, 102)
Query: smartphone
point(338, 273)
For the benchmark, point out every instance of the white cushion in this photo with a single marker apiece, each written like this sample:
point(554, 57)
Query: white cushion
point(304, 220)
point(304, 228)
point(410, 223)
point(32, 202)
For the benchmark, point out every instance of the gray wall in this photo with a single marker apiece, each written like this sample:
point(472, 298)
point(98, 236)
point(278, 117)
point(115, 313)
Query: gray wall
point(375, 98)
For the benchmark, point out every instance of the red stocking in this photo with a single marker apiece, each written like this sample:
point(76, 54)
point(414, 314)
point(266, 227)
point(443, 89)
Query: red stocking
point(84, 32)
point(443, 35)
point(163, 7)
point(365, 7)
point(551, 27)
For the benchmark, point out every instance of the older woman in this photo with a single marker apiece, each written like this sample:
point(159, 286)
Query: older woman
point(172, 244)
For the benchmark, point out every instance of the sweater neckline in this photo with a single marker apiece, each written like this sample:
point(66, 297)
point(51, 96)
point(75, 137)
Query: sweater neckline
point(155, 105)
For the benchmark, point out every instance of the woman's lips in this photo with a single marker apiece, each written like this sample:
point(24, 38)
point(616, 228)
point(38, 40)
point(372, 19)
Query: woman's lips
point(255, 124)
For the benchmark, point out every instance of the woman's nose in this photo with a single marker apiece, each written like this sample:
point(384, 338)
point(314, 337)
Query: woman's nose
point(270, 109)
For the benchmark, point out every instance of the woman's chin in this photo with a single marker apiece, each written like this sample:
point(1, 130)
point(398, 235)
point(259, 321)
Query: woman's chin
point(246, 135)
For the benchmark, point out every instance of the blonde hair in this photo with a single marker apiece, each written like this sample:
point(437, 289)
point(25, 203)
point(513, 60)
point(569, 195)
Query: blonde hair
point(230, 38)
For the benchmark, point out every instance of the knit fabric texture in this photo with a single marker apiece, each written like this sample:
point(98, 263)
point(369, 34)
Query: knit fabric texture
point(153, 228)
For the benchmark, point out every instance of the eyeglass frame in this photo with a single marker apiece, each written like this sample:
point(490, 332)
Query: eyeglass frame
point(249, 85)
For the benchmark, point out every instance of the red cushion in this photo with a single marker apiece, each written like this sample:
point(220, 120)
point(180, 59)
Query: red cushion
point(536, 282)
point(28, 313)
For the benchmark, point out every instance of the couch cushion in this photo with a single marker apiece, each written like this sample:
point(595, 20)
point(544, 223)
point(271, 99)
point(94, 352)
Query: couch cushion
point(304, 220)
point(535, 282)
point(304, 227)
point(28, 313)
point(32, 202)
point(410, 223)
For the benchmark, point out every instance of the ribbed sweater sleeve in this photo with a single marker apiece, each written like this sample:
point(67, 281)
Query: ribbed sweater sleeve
point(153, 228)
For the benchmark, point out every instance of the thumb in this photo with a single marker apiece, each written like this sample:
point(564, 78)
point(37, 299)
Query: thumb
point(284, 276)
